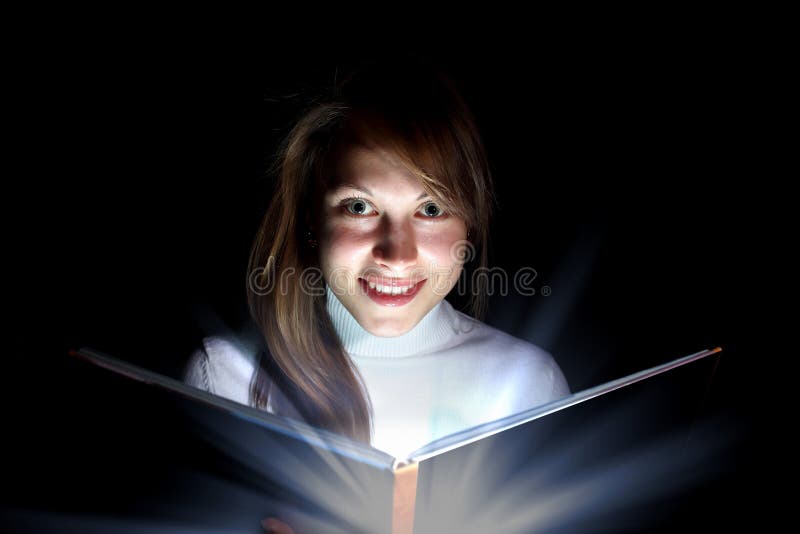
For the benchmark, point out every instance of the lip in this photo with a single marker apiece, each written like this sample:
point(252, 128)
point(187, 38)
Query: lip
point(400, 299)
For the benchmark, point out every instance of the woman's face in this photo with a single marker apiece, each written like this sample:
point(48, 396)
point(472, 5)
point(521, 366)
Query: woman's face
point(380, 228)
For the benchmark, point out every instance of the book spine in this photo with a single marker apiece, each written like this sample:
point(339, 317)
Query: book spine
point(404, 499)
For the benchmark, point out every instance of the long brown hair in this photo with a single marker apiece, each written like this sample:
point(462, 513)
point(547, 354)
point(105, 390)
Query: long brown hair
point(414, 112)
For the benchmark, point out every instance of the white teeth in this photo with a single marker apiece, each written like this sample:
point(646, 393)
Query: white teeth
point(389, 290)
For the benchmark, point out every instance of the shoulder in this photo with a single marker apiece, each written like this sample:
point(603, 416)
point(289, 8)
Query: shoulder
point(222, 366)
point(521, 366)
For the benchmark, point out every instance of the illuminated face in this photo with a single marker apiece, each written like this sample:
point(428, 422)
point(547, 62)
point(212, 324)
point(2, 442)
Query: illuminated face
point(387, 250)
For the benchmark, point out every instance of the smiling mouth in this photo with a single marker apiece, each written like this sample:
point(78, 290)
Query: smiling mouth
point(391, 295)
point(392, 287)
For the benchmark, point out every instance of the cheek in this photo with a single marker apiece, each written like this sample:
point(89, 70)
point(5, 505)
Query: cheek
point(445, 247)
point(441, 250)
point(342, 246)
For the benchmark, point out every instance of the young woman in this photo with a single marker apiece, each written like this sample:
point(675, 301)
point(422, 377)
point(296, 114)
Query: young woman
point(382, 206)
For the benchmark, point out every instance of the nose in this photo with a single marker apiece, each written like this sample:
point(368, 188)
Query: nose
point(396, 247)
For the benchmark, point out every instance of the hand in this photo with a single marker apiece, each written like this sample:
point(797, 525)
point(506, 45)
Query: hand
point(276, 526)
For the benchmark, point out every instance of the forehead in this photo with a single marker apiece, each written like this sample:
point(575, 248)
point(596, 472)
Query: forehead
point(360, 158)
point(365, 166)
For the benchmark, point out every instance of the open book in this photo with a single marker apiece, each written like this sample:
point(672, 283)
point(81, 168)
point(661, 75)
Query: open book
point(496, 476)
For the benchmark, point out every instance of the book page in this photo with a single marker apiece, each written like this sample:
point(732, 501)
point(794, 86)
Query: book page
point(476, 433)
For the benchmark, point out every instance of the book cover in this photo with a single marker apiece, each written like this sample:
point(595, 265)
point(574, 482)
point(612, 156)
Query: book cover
point(530, 471)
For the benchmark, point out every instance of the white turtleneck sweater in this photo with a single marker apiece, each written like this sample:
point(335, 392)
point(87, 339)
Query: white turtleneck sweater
point(448, 373)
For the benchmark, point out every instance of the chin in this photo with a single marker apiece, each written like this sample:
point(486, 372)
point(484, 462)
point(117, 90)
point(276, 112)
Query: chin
point(388, 328)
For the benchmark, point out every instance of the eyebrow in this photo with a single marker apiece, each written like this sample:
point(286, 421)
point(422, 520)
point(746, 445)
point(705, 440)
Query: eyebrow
point(342, 185)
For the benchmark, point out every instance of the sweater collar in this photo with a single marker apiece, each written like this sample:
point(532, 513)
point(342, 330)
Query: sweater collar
point(432, 332)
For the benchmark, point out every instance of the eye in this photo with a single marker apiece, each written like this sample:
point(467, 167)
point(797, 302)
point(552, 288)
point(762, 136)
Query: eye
point(357, 206)
point(432, 210)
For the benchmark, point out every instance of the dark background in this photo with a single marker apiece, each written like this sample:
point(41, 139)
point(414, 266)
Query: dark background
point(625, 176)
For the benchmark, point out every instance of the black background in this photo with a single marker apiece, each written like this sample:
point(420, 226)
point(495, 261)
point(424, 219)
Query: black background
point(626, 176)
